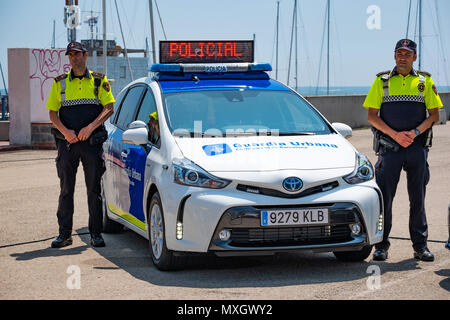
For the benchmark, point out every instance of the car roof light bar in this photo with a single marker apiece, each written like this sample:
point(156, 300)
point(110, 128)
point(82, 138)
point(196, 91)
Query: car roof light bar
point(211, 67)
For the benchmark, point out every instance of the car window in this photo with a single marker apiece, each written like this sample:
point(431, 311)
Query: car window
point(117, 106)
point(129, 106)
point(148, 107)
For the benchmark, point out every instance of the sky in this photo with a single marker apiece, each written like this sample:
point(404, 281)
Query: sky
point(363, 33)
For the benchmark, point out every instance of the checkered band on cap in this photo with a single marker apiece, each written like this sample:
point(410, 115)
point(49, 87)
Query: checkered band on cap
point(404, 98)
point(75, 102)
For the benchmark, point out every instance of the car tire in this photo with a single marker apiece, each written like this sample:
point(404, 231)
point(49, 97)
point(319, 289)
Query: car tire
point(353, 256)
point(163, 258)
point(108, 225)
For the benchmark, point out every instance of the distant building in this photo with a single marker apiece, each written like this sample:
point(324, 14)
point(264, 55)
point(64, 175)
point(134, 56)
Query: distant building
point(118, 70)
point(117, 65)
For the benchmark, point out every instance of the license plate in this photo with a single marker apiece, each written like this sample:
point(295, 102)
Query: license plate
point(294, 217)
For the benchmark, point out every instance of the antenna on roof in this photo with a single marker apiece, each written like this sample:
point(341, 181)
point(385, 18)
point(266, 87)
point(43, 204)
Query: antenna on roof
point(72, 19)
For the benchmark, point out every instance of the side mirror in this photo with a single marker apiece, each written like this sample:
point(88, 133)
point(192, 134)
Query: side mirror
point(343, 129)
point(137, 124)
point(137, 133)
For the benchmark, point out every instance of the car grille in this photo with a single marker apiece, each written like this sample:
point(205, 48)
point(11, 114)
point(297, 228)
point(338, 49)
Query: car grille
point(275, 193)
point(290, 236)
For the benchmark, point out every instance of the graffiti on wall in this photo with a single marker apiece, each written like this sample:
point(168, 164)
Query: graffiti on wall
point(48, 64)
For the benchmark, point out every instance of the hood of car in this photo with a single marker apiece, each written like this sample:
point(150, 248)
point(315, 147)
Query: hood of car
point(267, 153)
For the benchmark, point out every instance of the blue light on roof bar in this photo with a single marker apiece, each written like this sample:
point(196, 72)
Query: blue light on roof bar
point(260, 67)
point(211, 68)
point(164, 67)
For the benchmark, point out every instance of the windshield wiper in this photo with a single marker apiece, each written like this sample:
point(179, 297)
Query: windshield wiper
point(190, 134)
point(238, 133)
point(296, 133)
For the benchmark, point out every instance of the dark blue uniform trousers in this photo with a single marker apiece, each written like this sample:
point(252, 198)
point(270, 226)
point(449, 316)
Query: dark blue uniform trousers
point(67, 163)
point(387, 171)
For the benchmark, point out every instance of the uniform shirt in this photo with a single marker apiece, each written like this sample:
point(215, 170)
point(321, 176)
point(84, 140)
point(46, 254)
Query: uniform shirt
point(79, 91)
point(403, 85)
point(80, 105)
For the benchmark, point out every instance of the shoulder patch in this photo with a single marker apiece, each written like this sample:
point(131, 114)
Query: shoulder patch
point(434, 89)
point(424, 73)
point(98, 75)
point(61, 77)
point(106, 86)
point(383, 72)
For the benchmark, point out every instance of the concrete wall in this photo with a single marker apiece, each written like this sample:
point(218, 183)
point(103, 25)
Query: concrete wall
point(4, 130)
point(30, 77)
point(348, 109)
point(445, 97)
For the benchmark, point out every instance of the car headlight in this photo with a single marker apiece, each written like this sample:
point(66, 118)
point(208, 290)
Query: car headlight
point(363, 170)
point(188, 173)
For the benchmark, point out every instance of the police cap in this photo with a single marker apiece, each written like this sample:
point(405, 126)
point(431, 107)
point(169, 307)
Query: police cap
point(406, 44)
point(75, 46)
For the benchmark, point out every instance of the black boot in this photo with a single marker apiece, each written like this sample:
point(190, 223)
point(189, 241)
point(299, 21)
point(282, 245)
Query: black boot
point(380, 255)
point(423, 254)
point(62, 241)
point(97, 240)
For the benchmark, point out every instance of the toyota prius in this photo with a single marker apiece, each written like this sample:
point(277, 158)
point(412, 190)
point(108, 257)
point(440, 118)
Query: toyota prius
point(210, 155)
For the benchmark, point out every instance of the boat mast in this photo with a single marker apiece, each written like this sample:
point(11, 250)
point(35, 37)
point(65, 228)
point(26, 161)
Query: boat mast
point(420, 35)
point(276, 48)
point(409, 15)
point(328, 47)
point(124, 45)
point(105, 53)
point(53, 36)
point(150, 5)
point(3, 78)
point(292, 35)
point(296, 48)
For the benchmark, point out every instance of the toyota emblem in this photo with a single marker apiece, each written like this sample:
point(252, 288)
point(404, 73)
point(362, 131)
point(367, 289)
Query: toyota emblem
point(292, 184)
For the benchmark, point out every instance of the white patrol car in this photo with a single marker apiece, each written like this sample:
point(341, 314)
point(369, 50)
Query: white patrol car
point(237, 164)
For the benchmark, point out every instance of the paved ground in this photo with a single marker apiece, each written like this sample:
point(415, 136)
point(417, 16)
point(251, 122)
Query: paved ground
point(30, 269)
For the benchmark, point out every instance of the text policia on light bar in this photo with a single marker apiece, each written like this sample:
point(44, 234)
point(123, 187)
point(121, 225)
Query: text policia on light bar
point(206, 51)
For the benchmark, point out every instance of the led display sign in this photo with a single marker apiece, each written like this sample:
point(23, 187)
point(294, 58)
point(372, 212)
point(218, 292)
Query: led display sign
point(222, 51)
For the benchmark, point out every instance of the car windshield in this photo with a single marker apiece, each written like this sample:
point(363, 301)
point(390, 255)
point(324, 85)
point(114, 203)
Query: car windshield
point(241, 112)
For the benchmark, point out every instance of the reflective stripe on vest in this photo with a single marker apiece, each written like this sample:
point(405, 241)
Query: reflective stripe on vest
point(422, 81)
point(63, 90)
point(385, 78)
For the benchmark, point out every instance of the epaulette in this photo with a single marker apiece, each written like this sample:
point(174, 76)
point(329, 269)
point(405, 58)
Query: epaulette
point(383, 72)
point(61, 77)
point(98, 75)
point(424, 72)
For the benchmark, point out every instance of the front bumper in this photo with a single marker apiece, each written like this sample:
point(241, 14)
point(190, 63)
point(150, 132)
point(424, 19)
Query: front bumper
point(244, 224)
point(206, 213)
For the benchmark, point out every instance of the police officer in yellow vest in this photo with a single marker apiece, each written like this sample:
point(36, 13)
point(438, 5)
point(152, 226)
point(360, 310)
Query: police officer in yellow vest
point(397, 104)
point(153, 128)
point(79, 103)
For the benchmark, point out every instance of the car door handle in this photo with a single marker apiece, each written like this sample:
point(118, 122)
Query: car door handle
point(124, 154)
